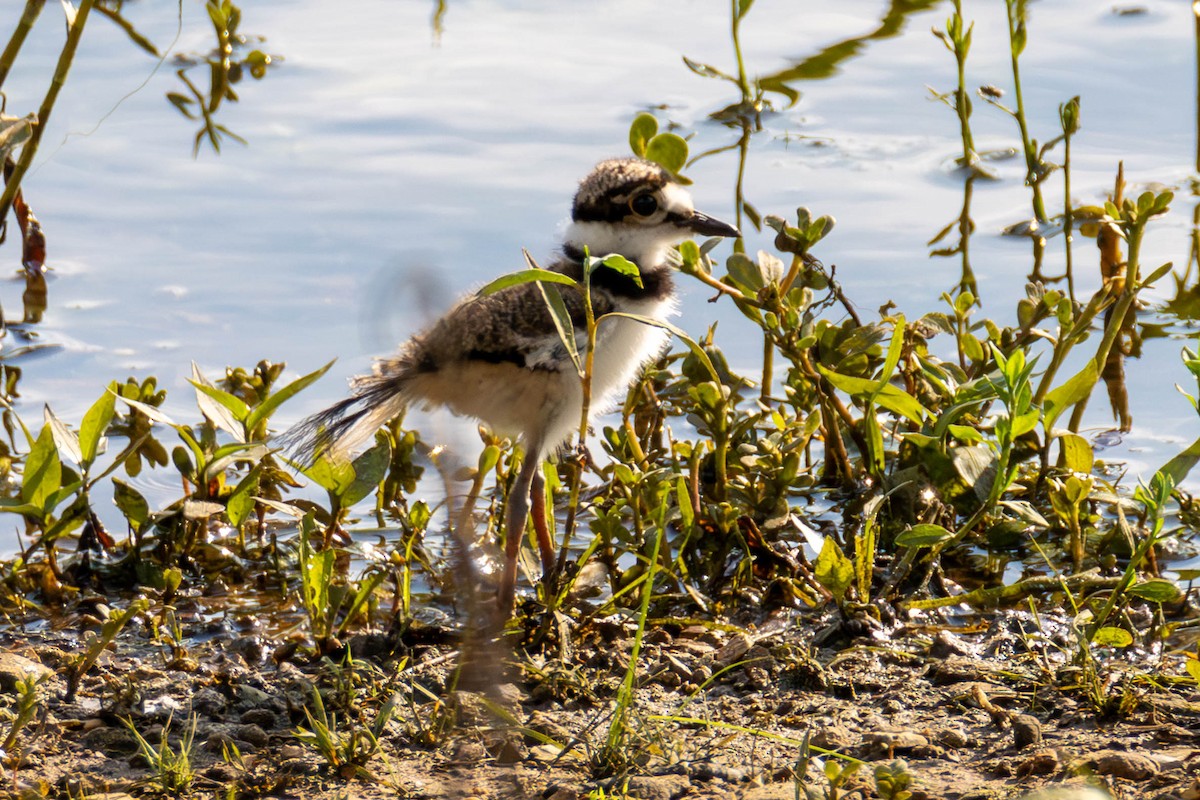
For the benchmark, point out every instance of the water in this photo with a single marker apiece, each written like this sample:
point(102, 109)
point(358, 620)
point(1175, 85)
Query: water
point(391, 168)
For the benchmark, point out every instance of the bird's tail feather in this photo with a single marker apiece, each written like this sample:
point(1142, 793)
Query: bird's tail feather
point(345, 426)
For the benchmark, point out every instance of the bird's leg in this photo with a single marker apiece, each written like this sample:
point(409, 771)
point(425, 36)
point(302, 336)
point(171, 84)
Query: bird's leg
point(537, 499)
point(514, 526)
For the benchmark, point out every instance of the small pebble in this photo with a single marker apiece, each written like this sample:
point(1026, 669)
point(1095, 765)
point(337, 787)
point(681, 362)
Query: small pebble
point(1026, 731)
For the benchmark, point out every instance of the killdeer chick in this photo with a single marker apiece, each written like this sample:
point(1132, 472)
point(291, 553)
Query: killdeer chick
point(499, 358)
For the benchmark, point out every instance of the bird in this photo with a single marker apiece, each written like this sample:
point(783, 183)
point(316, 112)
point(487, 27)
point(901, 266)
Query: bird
point(499, 358)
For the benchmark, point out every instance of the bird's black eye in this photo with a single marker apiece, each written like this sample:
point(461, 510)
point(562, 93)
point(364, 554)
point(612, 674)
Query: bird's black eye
point(643, 205)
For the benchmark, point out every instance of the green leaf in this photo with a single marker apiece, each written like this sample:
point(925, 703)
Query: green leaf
point(43, 471)
point(683, 499)
point(241, 501)
point(1077, 453)
point(151, 412)
point(227, 455)
point(526, 276)
point(850, 384)
point(898, 401)
point(706, 71)
point(1178, 467)
point(1112, 637)
point(562, 323)
point(366, 588)
point(369, 469)
point(669, 151)
point(95, 423)
point(895, 348)
point(923, 535)
point(221, 408)
point(689, 252)
point(131, 503)
point(64, 438)
point(1025, 422)
point(641, 132)
point(488, 459)
point(1075, 390)
point(1158, 273)
point(1156, 590)
point(1025, 510)
point(621, 264)
point(332, 475)
point(833, 570)
point(744, 7)
point(267, 407)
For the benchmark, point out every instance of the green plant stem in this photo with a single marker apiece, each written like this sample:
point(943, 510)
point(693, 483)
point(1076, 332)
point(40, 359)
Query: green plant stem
point(617, 727)
point(24, 25)
point(1031, 157)
point(735, 24)
point(962, 101)
point(56, 83)
point(768, 368)
point(1065, 343)
point(1130, 575)
point(1068, 219)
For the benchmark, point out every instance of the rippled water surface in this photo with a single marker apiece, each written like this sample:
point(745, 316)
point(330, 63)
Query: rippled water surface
point(396, 159)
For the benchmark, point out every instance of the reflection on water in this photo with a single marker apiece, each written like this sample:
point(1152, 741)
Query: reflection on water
point(223, 66)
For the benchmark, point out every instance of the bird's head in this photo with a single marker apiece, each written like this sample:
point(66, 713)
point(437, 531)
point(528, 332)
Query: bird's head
point(637, 209)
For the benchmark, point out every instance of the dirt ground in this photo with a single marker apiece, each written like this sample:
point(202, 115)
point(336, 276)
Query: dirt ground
point(720, 712)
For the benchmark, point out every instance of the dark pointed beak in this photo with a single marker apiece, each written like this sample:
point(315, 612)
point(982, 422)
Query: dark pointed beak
point(704, 224)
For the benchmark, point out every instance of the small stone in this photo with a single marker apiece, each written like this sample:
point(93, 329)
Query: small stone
point(757, 677)
point(208, 702)
point(263, 717)
point(890, 742)
point(832, 736)
point(469, 751)
point(946, 644)
point(370, 645)
point(1043, 762)
point(252, 734)
point(669, 680)
point(217, 741)
point(509, 750)
point(14, 668)
point(659, 787)
point(658, 636)
point(710, 771)
point(508, 694)
point(1026, 731)
point(699, 633)
point(545, 752)
point(733, 650)
point(1130, 766)
point(678, 667)
point(222, 773)
point(953, 738)
point(250, 697)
